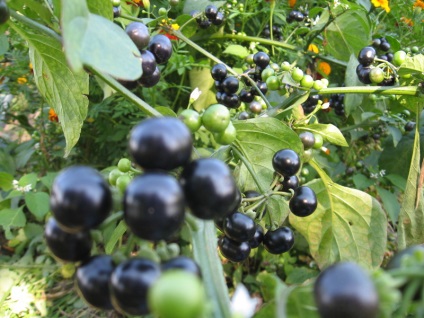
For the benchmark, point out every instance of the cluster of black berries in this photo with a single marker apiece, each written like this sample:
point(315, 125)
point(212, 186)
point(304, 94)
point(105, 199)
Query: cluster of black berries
point(297, 16)
point(154, 50)
point(367, 73)
point(311, 103)
point(286, 162)
point(382, 45)
point(211, 16)
point(337, 103)
point(276, 32)
point(226, 86)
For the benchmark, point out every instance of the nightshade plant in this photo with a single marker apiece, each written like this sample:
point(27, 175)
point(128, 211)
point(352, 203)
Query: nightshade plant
point(295, 161)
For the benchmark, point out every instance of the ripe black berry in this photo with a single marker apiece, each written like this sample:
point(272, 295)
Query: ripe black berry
point(290, 183)
point(385, 46)
point(304, 202)
point(239, 227)
point(363, 73)
point(161, 48)
point(286, 162)
point(409, 126)
point(149, 80)
point(230, 85)
point(148, 62)
point(261, 59)
point(366, 56)
point(161, 143)
point(230, 100)
point(308, 139)
point(219, 19)
point(139, 34)
point(232, 250)
point(211, 12)
point(279, 241)
point(258, 237)
point(219, 72)
point(246, 96)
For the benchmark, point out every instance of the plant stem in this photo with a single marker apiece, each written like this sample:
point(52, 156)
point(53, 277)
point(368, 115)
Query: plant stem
point(383, 90)
point(35, 25)
point(205, 252)
point(144, 107)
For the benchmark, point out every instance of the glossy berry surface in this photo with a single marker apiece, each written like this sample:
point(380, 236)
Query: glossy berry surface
point(161, 143)
point(80, 199)
point(304, 201)
point(130, 283)
point(161, 48)
point(67, 247)
point(139, 34)
point(279, 241)
point(149, 80)
point(219, 72)
point(211, 11)
point(366, 56)
point(258, 237)
point(210, 188)
point(291, 182)
point(363, 73)
point(308, 139)
point(230, 84)
point(261, 59)
point(148, 62)
point(219, 19)
point(233, 250)
point(184, 263)
point(216, 118)
point(92, 281)
point(154, 206)
point(344, 290)
point(286, 162)
point(239, 227)
point(4, 12)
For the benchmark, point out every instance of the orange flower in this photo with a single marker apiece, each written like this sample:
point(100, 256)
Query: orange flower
point(419, 3)
point(324, 68)
point(174, 26)
point(313, 48)
point(407, 21)
point(53, 116)
point(292, 3)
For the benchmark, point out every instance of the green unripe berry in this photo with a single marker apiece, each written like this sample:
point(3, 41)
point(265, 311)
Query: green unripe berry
point(124, 165)
point(285, 66)
point(191, 118)
point(122, 182)
point(318, 85)
point(162, 11)
point(297, 74)
point(307, 81)
point(114, 175)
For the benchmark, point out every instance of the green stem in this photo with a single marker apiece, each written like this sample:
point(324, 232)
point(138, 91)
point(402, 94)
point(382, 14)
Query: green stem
point(144, 107)
point(111, 219)
point(35, 25)
point(383, 90)
point(205, 252)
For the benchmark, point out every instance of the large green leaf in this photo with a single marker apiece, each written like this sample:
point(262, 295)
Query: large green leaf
point(352, 101)
point(64, 90)
point(411, 216)
point(347, 34)
point(413, 65)
point(348, 225)
point(38, 204)
point(95, 41)
point(329, 132)
point(258, 140)
point(12, 218)
point(101, 7)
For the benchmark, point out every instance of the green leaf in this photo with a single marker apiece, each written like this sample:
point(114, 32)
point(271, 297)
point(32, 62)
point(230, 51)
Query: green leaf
point(352, 101)
point(6, 181)
point(38, 204)
point(166, 111)
point(299, 302)
point(348, 224)
point(28, 179)
point(411, 216)
point(95, 41)
point(119, 231)
point(236, 50)
point(347, 34)
point(12, 218)
point(64, 90)
point(101, 7)
point(190, 28)
point(397, 181)
point(200, 77)
point(362, 182)
point(4, 44)
point(329, 132)
point(257, 141)
point(413, 65)
point(269, 283)
point(200, 5)
point(390, 203)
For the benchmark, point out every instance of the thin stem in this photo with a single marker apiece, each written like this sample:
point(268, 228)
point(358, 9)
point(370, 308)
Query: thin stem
point(283, 194)
point(383, 90)
point(255, 205)
point(254, 199)
point(35, 25)
point(144, 107)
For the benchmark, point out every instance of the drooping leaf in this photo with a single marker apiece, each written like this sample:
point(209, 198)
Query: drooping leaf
point(329, 132)
point(258, 140)
point(38, 204)
point(348, 34)
point(347, 225)
point(95, 41)
point(12, 218)
point(63, 89)
point(411, 216)
point(413, 65)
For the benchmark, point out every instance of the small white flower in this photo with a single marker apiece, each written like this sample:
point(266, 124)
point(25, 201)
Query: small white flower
point(325, 105)
point(374, 175)
point(15, 183)
point(195, 94)
point(242, 305)
point(382, 173)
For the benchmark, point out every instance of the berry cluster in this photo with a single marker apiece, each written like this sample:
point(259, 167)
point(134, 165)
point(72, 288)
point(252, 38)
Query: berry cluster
point(311, 103)
point(154, 50)
point(297, 16)
point(216, 119)
point(4, 12)
point(211, 16)
point(369, 74)
point(337, 103)
point(276, 32)
point(382, 45)
point(286, 162)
